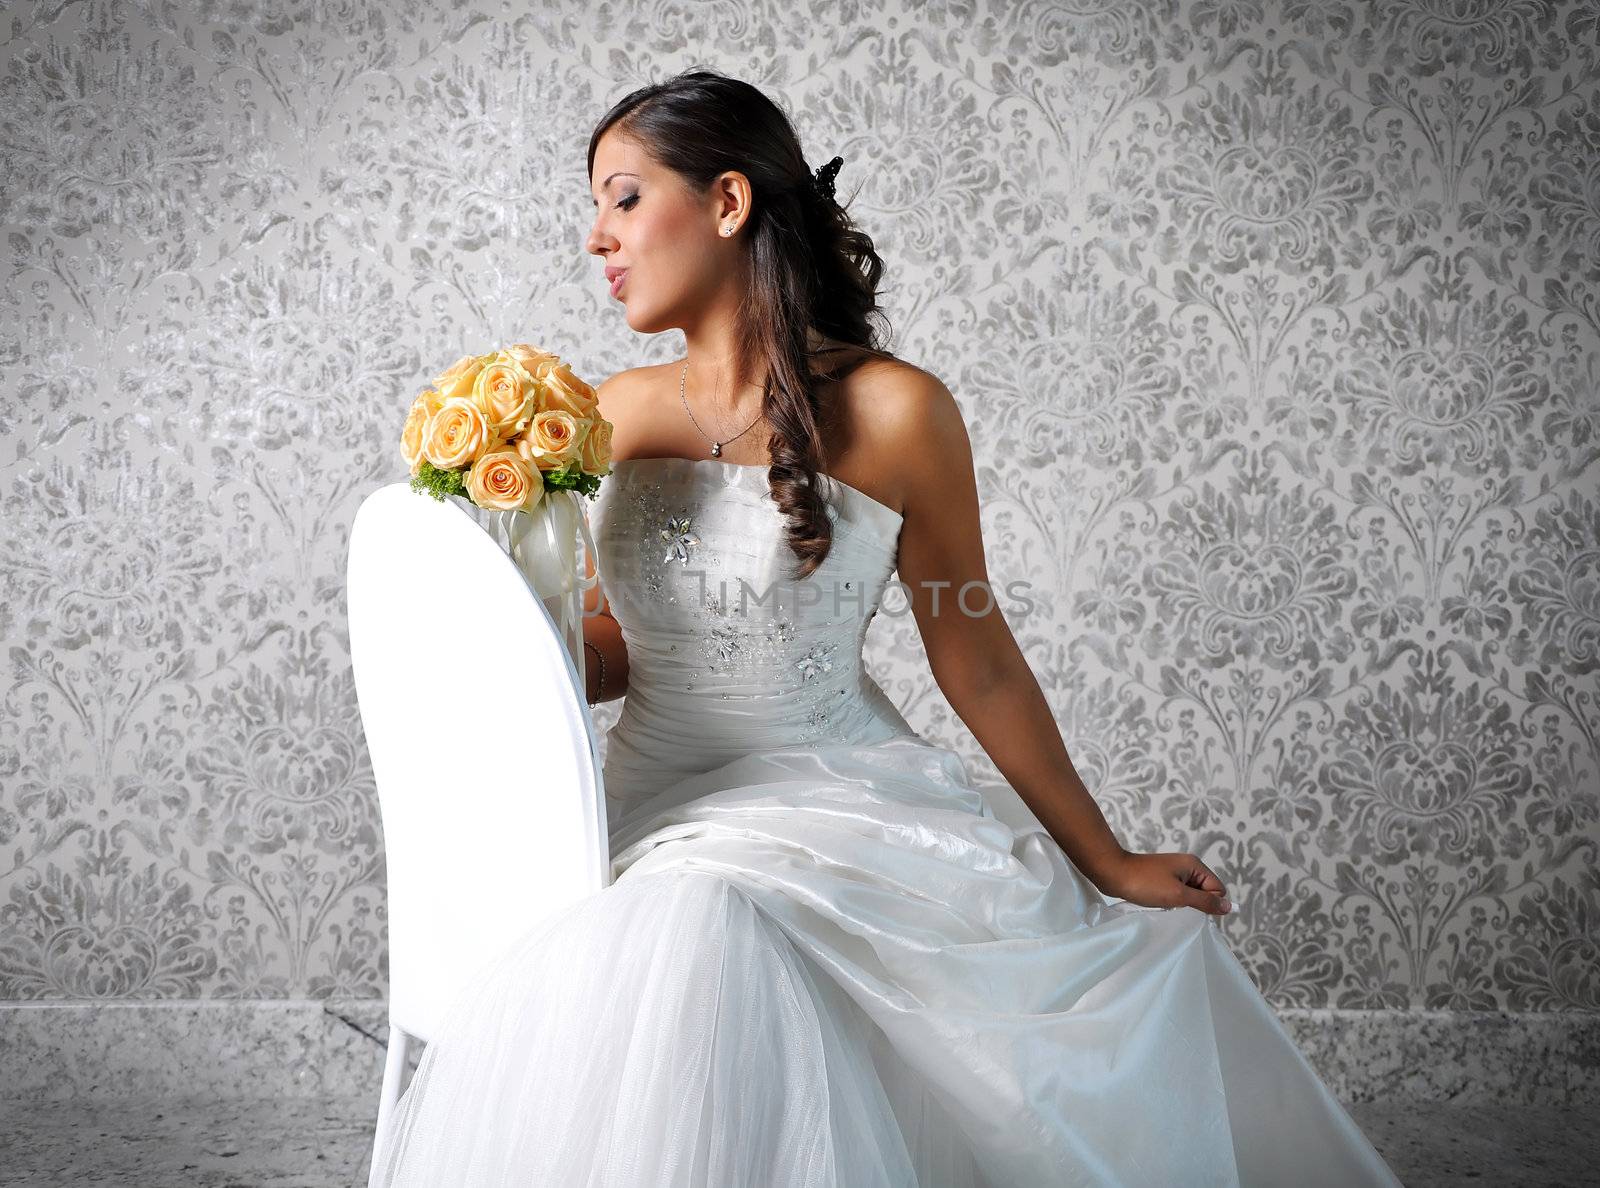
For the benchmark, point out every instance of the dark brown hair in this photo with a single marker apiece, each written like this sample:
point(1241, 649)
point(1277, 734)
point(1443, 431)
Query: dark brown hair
point(810, 267)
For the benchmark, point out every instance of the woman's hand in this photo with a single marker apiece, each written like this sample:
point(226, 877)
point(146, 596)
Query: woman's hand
point(1164, 880)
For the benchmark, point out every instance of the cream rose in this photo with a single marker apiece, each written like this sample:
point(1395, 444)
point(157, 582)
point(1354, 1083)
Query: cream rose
point(430, 400)
point(456, 435)
point(505, 393)
point(565, 392)
point(542, 363)
point(457, 381)
point(416, 426)
point(532, 358)
point(594, 455)
point(502, 481)
point(552, 440)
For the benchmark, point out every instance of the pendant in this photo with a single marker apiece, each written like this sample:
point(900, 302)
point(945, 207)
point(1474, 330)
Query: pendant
point(716, 449)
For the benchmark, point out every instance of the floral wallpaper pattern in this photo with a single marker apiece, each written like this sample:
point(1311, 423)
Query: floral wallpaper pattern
point(1277, 326)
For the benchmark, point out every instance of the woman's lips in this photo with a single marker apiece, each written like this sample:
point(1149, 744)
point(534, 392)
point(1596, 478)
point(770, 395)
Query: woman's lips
point(616, 285)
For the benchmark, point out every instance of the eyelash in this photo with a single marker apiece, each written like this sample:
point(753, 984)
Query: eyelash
point(629, 202)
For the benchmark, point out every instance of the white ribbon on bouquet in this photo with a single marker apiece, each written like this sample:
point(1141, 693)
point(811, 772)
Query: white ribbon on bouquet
point(543, 545)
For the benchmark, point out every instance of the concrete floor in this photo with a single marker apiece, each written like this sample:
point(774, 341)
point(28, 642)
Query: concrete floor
point(324, 1143)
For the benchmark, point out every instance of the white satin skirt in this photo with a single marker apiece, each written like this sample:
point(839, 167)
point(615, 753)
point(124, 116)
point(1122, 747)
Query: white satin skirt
point(835, 967)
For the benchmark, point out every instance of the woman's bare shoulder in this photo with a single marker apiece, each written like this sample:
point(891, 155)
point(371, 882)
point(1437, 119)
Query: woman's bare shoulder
point(623, 379)
point(913, 430)
point(614, 392)
point(897, 427)
point(892, 396)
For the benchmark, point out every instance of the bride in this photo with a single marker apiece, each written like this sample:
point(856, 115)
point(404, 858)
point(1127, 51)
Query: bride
point(827, 956)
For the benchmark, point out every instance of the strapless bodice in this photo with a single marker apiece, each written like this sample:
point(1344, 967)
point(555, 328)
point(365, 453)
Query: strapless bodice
point(727, 653)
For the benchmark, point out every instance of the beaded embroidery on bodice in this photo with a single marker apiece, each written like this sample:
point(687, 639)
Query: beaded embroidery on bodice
point(727, 653)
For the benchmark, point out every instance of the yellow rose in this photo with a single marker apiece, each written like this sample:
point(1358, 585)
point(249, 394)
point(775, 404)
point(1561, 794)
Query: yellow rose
point(565, 392)
point(531, 358)
point(422, 410)
point(504, 392)
point(502, 481)
point(552, 440)
point(595, 453)
point(430, 399)
point(458, 380)
point(539, 362)
point(456, 435)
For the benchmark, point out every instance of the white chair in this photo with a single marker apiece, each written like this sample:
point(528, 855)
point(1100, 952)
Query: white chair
point(482, 747)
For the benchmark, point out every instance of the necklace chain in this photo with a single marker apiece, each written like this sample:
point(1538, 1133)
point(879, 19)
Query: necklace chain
point(716, 446)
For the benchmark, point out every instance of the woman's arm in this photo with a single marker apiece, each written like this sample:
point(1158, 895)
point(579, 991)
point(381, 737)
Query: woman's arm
point(976, 660)
point(599, 627)
point(605, 633)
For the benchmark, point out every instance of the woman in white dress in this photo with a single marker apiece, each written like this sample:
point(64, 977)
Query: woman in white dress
point(828, 958)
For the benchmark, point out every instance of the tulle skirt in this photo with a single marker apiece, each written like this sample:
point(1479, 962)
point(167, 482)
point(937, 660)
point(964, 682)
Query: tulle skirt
point(834, 967)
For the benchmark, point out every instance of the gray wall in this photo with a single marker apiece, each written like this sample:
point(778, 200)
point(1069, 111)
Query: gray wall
point(1275, 328)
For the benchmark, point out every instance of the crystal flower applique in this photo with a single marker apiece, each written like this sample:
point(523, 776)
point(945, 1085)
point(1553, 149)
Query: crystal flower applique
point(678, 538)
point(817, 660)
point(726, 643)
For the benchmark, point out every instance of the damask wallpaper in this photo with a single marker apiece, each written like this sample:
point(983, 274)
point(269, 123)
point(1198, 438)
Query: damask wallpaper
point(1277, 327)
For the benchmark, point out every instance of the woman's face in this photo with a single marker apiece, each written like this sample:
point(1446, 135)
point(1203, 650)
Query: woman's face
point(647, 222)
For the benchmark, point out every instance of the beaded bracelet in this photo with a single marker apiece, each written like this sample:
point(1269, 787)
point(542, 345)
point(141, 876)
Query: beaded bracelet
point(599, 685)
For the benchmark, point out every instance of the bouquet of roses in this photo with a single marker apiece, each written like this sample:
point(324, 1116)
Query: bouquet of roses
point(516, 433)
point(499, 429)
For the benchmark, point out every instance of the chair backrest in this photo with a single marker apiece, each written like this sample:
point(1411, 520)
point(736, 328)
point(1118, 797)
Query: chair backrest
point(482, 746)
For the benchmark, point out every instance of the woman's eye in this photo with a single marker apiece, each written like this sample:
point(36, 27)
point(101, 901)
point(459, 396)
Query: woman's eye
point(629, 202)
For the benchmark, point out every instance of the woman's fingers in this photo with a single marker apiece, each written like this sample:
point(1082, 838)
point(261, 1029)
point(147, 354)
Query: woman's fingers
point(1203, 889)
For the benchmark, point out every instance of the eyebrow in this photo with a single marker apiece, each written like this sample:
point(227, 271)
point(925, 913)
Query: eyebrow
point(607, 182)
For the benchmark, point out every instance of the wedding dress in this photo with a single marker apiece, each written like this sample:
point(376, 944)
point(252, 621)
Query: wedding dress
point(824, 960)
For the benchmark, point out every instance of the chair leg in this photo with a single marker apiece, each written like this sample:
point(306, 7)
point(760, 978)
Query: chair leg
point(393, 1066)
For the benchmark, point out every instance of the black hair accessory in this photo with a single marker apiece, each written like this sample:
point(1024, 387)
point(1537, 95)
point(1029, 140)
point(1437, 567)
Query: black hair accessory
point(822, 180)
